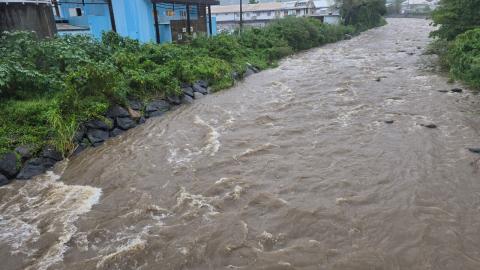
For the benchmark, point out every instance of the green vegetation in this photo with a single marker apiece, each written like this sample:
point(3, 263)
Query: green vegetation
point(458, 39)
point(363, 14)
point(49, 87)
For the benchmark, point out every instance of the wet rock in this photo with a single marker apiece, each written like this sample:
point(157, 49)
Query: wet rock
point(24, 152)
point(457, 90)
point(200, 89)
point(97, 136)
point(117, 111)
point(141, 120)
point(3, 180)
point(429, 125)
point(389, 121)
point(474, 150)
point(378, 79)
point(202, 83)
point(188, 91)
point(443, 91)
point(135, 105)
point(135, 115)
point(198, 95)
point(235, 76)
point(347, 36)
point(157, 108)
point(8, 165)
point(174, 99)
point(34, 167)
point(51, 153)
point(125, 123)
point(80, 147)
point(115, 132)
point(248, 72)
point(97, 124)
point(410, 53)
point(187, 99)
point(79, 134)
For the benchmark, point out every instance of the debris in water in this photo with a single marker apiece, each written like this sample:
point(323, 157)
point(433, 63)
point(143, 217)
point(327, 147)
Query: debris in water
point(429, 125)
point(474, 150)
point(389, 121)
point(457, 90)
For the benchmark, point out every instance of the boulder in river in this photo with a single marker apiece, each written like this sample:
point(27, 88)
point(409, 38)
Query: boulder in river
point(97, 124)
point(34, 167)
point(115, 132)
point(97, 136)
point(24, 152)
point(200, 89)
point(117, 111)
point(187, 99)
point(248, 72)
point(174, 99)
point(8, 165)
point(198, 95)
point(188, 91)
point(135, 105)
point(457, 90)
point(157, 108)
point(3, 180)
point(474, 150)
point(125, 123)
point(51, 153)
point(430, 125)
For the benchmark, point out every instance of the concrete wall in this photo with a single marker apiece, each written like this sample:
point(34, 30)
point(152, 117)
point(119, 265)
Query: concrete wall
point(30, 17)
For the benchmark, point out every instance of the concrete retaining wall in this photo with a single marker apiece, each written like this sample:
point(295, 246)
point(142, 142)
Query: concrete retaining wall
point(29, 16)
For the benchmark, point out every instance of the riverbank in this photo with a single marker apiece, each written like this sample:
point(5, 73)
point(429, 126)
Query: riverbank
point(68, 93)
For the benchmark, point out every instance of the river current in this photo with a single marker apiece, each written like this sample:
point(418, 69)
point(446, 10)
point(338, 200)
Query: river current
point(293, 168)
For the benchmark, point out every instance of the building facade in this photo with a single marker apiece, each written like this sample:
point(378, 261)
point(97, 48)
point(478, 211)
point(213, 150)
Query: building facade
point(258, 15)
point(145, 20)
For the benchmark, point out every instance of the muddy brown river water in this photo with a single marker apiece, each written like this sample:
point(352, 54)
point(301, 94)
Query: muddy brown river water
point(293, 168)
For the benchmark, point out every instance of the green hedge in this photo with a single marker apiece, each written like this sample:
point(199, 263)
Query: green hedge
point(49, 87)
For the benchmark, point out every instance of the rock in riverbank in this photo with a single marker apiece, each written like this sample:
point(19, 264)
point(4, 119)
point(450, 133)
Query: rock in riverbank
point(8, 165)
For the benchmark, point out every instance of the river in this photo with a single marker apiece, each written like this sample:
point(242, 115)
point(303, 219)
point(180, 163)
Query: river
point(293, 168)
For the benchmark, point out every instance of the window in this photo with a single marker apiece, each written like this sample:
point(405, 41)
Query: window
point(75, 12)
point(169, 12)
point(269, 14)
point(183, 13)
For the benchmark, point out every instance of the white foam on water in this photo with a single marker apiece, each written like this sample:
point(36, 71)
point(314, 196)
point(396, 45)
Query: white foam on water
point(44, 201)
point(213, 143)
point(195, 201)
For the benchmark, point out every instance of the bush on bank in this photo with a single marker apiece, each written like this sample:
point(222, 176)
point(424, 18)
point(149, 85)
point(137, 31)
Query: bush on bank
point(464, 58)
point(457, 40)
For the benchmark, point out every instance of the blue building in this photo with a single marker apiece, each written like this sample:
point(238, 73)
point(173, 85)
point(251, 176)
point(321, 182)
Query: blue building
point(145, 20)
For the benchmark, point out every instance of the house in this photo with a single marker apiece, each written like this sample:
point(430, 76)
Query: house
point(145, 20)
point(418, 6)
point(257, 15)
point(326, 11)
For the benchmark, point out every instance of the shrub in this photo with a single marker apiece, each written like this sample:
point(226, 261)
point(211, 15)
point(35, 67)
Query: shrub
point(464, 58)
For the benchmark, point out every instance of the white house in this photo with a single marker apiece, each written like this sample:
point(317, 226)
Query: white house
point(327, 11)
point(257, 15)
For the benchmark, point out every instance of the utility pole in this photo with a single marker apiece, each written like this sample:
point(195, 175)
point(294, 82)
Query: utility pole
point(241, 16)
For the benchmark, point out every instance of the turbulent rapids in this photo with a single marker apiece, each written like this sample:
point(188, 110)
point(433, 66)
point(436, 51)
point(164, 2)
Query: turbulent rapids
point(325, 162)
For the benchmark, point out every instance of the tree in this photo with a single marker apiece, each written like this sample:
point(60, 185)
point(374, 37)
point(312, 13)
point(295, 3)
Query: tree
point(363, 14)
point(455, 17)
